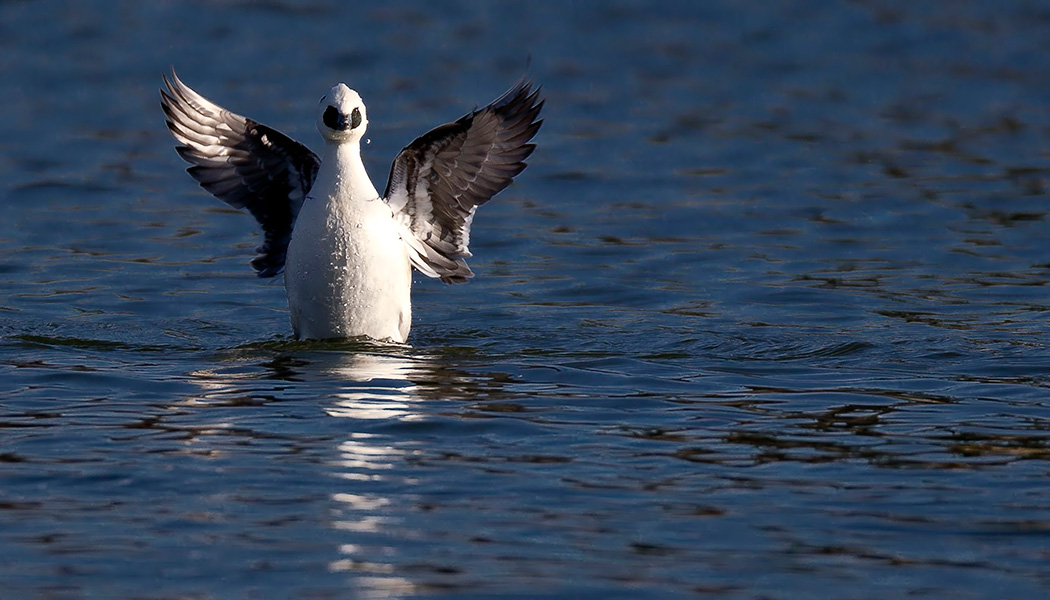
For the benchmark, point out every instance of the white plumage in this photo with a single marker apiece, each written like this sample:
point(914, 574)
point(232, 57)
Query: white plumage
point(347, 252)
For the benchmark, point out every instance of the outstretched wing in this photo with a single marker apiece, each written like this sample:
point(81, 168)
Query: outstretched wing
point(244, 164)
point(438, 181)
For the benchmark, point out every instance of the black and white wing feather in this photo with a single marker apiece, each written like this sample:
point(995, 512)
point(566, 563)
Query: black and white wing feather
point(243, 163)
point(438, 180)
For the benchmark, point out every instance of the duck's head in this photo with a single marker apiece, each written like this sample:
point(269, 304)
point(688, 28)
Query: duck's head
point(341, 115)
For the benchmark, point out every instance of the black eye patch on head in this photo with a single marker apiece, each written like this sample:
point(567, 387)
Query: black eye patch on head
point(331, 118)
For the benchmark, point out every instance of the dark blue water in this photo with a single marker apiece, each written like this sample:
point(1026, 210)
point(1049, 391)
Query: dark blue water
point(766, 317)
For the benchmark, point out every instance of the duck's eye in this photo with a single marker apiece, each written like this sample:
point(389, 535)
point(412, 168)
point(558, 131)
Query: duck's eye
point(331, 118)
point(355, 118)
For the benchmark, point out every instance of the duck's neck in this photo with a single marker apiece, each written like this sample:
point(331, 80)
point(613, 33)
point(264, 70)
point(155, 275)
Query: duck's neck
point(351, 182)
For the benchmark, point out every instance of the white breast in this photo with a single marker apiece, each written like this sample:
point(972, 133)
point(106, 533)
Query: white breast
point(347, 272)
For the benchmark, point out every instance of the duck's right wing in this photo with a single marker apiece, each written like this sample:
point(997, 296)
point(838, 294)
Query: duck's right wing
point(243, 163)
point(438, 181)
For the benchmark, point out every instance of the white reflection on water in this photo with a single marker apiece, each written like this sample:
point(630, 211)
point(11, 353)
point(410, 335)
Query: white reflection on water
point(368, 393)
point(366, 458)
point(362, 454)
point(390, 398)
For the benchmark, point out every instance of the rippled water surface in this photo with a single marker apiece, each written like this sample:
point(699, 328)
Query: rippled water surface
point(766, 317)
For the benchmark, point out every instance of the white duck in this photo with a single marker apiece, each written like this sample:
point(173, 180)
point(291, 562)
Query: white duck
point(347, 252)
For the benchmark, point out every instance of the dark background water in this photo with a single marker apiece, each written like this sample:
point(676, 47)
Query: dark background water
point(765, 318)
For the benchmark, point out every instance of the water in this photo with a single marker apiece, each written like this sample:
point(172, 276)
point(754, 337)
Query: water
point(766, 317)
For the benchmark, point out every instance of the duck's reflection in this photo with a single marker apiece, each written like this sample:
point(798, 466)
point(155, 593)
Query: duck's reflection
point(383, 397)
point(379, 491)
point(383, 388)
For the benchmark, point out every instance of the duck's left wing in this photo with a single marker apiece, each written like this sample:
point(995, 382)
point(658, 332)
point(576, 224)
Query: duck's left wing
point(243, 163)
point(438, 181)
